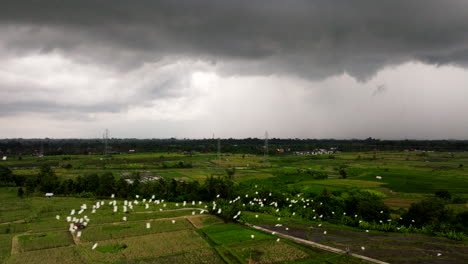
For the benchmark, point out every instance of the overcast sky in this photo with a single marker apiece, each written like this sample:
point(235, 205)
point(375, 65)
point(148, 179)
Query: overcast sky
point(308, 69)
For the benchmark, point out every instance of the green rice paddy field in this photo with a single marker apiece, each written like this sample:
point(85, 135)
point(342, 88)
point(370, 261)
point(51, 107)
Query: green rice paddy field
point(30, 232)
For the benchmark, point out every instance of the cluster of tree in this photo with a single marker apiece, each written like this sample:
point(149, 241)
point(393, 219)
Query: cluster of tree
point(7, 178)
point(433, 214)
point(247, 145)
point(180, 165)
point(352, 207)
point(106, 184)
point(303, 173)
point(336, 206)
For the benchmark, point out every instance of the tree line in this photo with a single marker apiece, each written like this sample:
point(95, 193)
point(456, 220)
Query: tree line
point(105, 184)
point(230, 145)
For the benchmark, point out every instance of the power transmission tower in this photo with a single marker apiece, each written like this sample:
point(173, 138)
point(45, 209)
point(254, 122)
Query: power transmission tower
point(265, 153)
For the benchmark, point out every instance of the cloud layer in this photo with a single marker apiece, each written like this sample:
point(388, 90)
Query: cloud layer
point(301, 68)
point(313, 39)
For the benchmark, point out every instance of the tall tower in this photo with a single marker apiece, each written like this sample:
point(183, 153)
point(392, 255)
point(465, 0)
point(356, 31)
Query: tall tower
point(265, 154)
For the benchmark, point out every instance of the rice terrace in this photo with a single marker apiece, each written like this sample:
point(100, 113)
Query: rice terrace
point(194, 207)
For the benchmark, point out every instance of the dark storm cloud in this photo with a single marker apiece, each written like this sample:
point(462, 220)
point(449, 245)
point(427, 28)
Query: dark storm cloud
point(313, 39)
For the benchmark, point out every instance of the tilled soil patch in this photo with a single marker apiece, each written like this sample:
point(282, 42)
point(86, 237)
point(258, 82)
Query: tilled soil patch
point(389, 247)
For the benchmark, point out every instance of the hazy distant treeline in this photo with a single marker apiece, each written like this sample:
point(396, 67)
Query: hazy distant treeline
point(247, 145)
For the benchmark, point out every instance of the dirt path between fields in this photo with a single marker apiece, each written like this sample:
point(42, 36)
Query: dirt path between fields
point(13, 222)
point(15, 243)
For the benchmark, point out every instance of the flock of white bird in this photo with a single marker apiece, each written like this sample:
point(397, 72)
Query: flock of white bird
point(129, 205)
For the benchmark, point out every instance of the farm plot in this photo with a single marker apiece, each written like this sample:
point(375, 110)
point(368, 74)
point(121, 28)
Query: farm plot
point(5, 246)
point(201, 256)
point(120, 230)
point(201, 221)
point(103, 218)
point(396, 203)
point(13, 208)
point(44, 240)
point(145, 247)
point(271, 252)
point(231, 234)
point(62, 255)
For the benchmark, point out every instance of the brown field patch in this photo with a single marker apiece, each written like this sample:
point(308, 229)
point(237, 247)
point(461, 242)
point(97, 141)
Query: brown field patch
point(200, 221)
point(396, 203)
